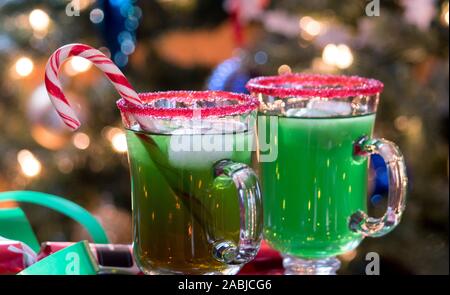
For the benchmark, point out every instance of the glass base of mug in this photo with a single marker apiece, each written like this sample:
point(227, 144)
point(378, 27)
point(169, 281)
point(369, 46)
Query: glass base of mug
point(232, 270)
point(303, 266)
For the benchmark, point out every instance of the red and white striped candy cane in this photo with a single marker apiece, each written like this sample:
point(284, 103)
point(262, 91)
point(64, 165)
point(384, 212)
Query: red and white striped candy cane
point(54, 88)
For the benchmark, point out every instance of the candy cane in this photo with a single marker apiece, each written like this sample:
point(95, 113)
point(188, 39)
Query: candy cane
point(54, 88)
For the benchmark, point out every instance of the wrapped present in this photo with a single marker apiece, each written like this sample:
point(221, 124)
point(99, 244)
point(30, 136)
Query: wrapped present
point(15, 256)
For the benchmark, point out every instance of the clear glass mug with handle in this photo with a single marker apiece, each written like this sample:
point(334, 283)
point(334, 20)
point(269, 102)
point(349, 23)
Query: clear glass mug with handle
point(196, 202)
point(315, 191)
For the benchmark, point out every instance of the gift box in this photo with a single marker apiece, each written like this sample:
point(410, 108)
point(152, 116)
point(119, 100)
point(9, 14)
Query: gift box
point(15, 256)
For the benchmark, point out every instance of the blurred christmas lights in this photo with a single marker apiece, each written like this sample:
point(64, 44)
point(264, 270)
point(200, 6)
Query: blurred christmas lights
point(338, 55)
point(97, 15)
point(444, 14)
point(29, 164)
point(284, 69)
point(39, 20)
point(81, 140)
point(65, 164)
point(310, 27)
point(401, 123)
point(117, 138)
point(24, 66)
point(82, 4)
point(125, 16)
point(119, 142)
point(108, 132)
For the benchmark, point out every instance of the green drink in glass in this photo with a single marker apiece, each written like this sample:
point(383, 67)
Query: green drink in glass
point(311, 220)
point(315, 189)
point(196, 203)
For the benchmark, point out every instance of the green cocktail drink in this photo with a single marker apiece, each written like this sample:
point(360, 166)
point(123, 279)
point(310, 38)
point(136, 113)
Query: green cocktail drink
point(315, 185)
point(314, 167)
point(181, 208)
point(196, 202)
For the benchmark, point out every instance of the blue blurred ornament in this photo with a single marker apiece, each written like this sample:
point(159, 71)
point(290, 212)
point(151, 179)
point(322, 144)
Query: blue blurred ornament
point(229, 76)
point(381, 186)
point(118, 21)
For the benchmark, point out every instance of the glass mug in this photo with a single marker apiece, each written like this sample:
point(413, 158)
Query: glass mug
point(315, 191)
point(196, 203)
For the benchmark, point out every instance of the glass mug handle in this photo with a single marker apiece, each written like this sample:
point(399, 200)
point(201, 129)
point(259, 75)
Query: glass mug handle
point(360, 222)
point(250, 206)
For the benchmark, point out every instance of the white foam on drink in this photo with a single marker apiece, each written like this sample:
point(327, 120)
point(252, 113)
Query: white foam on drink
point(321, 109)
point(203, 143)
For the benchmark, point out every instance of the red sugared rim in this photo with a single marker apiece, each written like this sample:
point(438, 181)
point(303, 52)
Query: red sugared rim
point(245, 104)
point(314, 85)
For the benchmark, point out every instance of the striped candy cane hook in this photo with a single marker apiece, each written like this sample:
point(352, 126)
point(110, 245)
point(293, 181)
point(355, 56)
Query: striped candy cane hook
point(53, 85)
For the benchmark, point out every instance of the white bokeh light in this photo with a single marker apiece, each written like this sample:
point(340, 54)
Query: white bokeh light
point(340, 55)
point(39, 20)
point(119, 142)
point(24, 66)
point(29, 164)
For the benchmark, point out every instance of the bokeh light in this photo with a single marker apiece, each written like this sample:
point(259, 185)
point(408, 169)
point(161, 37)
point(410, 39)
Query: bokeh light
point(83, 4)
point(117, 138)
point(311, 26)
point(39, 20)
point(81, 140)
point(29, 164)
point(119, 142)
point(96, 16)
point(24, 66)
point(65, 164)
point(444, 14)
point(340, 55)
point(284, 69)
